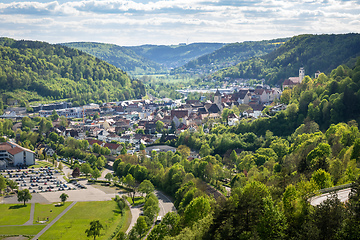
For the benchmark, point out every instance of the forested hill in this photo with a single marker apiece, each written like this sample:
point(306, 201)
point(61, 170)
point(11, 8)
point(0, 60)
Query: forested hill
point(230, 55)
point(313, 52)
point(121, 57)
point(32, 70)
point(175, 55)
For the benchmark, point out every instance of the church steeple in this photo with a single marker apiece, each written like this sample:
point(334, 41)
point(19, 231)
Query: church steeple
point(301, 74)
point(217, 99)
point(217, 93)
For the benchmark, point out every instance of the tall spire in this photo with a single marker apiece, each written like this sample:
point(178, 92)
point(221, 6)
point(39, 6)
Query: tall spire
point(217, 93)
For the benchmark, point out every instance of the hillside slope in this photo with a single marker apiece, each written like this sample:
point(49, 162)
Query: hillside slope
point(175, 55)
point(230, 55)
point(313, 52)
point(32, 71)
point(121, 57)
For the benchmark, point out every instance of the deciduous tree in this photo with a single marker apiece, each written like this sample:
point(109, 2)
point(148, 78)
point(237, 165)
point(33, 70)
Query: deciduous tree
point(94, 230)
point(63, 197)
point(24, 195)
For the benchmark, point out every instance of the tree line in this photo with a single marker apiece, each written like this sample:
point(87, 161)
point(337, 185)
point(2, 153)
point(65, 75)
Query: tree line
point(58, 72)
point(313, 52)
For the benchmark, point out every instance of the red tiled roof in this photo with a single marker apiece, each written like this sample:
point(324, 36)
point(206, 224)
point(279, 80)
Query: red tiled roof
point(5, 146)
point(112, 145)
point(92, 141)
point(179, 113)
point(15, 150)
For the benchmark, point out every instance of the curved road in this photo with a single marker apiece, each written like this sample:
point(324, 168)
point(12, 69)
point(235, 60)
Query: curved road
point(165, 206)
point(343, 195)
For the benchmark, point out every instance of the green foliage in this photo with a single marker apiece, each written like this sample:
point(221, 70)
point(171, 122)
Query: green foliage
point(272, 224)
point(322, 179)
point(63, 197)
point(94, 230)
point(328, 217)
point(232, 53)
point(24, 195)
point(121, 204)
point(172, 55)
point(302, 50)
point(196, 210)
point(96, 173)
point(121, 57)
point(141, 226)
point(108, 176)
point(2, 183)
point(146, 187)
point(151, 207)
point(58, 72)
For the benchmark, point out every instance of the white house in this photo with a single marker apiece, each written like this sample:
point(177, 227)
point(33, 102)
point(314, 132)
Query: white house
point(103, 135)
point(16, 155)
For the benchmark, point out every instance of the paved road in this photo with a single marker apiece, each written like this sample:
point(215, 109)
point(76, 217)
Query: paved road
point(104, 172)
point(135, 213)
point(53, 221)
point(165, 204)
point(343, 195)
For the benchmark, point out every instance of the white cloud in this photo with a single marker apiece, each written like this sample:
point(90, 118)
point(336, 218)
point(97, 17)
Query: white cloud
point(130, 22)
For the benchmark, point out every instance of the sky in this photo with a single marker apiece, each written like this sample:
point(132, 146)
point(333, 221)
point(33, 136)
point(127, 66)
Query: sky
point(137, 22)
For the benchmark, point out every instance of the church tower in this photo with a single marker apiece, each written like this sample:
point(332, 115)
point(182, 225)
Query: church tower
point(301, 74)
point(217, 99)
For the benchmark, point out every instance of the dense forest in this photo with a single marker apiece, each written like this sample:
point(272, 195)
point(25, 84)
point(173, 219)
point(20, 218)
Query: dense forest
point(121, 57)
point(230, 55)
point(175, 55)
point(33, 71)
point(313, 52)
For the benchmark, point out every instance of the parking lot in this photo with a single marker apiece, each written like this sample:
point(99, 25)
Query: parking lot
point(40, 180)
point(47, 184)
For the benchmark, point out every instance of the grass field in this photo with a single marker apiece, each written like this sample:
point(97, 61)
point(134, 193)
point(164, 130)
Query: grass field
point(14, 214)
point(39, 164)
point(44, 211)
point(74, 223)
point(21, 230)
point(137, 200)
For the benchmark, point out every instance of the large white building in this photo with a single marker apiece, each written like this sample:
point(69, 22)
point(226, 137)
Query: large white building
point(14, 155)
point(75, 112)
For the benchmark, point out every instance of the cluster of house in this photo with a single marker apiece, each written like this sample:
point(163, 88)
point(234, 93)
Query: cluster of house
point(12, 154)
point(135, 121)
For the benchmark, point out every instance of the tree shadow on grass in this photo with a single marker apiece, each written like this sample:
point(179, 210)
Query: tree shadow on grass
point(17, 206)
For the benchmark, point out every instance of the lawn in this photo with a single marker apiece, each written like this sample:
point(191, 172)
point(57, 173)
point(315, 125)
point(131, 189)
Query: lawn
point(44, 211)
point(21, 230)
point(74, 223)
point(14, 214)
point(39, 164)
point(137, 200)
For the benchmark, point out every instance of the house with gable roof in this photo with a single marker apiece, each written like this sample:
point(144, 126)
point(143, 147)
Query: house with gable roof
point(114, 148)
point(15, 155)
